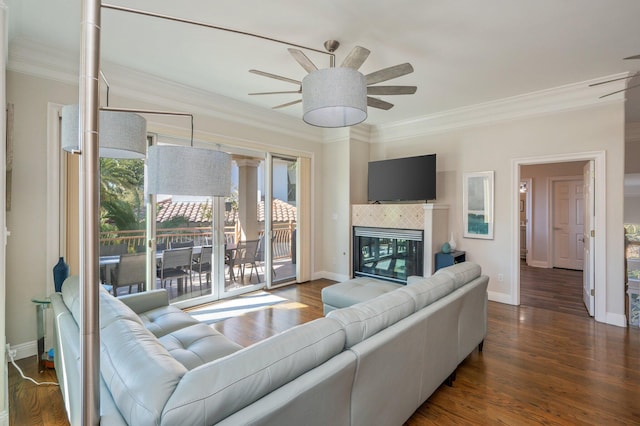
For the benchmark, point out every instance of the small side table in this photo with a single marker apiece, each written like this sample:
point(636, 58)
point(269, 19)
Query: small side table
point(447, 259)
point(41, 303)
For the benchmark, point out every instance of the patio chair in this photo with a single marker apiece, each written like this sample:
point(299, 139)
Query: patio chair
point(175, 263)
point(246, 255)
point(110, 250)
point(180, 244)
point(229, 260)
point(113, 249)
point(131, 270)
point(203, 265)
point(260, 254)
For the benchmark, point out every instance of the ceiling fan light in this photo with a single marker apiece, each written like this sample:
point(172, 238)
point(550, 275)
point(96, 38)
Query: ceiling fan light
point(122, 134)
point(334, 97)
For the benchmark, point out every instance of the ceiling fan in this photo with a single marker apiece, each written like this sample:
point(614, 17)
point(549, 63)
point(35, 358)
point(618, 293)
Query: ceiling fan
point(637, 73)
point(353, 61)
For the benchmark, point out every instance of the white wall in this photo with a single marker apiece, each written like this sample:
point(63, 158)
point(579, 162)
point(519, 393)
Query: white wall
point(344, 184)
point(28, 274)
point(493, 147)
point(336, 211)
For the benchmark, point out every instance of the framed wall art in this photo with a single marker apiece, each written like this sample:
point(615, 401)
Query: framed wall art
point(477, 205)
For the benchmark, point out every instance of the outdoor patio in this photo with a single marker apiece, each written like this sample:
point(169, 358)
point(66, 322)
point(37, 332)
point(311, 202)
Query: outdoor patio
point(283, 268)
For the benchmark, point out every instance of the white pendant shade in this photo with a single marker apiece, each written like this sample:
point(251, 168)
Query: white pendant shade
point(184, 170)
point(334, 97)
point(122, 134)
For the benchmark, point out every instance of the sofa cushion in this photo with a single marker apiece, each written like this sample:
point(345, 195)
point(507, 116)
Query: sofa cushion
point(197, 344)
point(166, 319)
point(213, 391)
point(461, 273)
point(365, 319)
point(112, 309)
point(71, 295)
point(139, 372)
point(354, 291)
point(426, 290)
point(145, 301)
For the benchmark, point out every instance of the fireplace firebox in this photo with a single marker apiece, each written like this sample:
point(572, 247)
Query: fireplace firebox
point(389, 254)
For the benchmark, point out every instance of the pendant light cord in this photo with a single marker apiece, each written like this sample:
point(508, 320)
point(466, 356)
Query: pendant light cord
point(141, 111)
point(214, 27)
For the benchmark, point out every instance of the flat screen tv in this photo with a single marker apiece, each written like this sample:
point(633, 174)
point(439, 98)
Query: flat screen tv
point(403, 179)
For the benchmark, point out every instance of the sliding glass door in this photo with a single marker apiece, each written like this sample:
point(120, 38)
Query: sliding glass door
point(243, 221)
point(280, 264)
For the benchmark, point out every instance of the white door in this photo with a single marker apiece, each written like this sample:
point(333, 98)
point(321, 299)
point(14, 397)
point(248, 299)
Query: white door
point(589, 254)
point(568, 217)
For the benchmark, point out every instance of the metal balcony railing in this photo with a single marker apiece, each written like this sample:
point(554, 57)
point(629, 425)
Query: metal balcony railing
point(135, 240)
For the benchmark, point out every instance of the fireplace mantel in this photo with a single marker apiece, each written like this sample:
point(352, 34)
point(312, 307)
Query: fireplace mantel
point(432, 218)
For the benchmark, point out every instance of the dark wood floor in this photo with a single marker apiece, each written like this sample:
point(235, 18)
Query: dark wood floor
point(552, 288)
point(539, 366)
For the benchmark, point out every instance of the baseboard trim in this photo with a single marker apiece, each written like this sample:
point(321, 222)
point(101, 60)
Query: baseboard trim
point(616, 319)
point(538, 264)
point(500, 297)
point(330, 276)
point(25, 350)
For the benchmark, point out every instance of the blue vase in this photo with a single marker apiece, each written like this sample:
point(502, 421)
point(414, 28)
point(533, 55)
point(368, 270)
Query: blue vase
point(60, 273)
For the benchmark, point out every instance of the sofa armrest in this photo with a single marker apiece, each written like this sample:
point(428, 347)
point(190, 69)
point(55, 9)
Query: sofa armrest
point(146, 301)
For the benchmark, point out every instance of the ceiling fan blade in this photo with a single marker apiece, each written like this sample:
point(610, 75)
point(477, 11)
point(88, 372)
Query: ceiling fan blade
point(391, 90)
point(355, 58)
point(277, 77)
point(389, 73)
point(633, 57)
point(302, 59)
point(276, 93)
point(378, 103)
point(287, 104)
point(615, 79)
point(619, 91)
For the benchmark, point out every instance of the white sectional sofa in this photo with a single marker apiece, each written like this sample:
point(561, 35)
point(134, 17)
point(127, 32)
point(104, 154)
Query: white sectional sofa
point(374, 362)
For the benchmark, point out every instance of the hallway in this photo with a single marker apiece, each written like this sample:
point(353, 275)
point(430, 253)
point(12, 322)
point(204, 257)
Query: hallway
point(554, 289)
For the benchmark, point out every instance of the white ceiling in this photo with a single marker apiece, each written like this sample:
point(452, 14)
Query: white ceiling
point(464, 52)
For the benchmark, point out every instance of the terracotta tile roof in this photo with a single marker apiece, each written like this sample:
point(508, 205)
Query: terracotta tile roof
point(281, 211)
point(200, 212)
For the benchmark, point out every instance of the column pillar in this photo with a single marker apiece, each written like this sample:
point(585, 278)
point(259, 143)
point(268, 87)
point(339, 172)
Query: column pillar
point(248, 198)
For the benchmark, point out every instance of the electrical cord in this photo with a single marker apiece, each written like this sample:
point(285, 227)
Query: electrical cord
point(29, 378)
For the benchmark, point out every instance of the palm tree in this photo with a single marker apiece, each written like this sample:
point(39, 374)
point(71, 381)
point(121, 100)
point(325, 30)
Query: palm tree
point(121, 194)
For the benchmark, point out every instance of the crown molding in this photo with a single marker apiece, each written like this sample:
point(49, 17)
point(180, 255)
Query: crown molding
point(27, 57)
point(45, 62)
point(37, 60)
point(359, 132)
point(564, 98)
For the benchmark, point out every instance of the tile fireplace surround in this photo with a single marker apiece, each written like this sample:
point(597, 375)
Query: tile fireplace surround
point(432, 218)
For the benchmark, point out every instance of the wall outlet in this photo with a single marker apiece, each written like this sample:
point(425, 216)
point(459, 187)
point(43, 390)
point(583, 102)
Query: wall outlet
point(11, 352)
point(500, 277)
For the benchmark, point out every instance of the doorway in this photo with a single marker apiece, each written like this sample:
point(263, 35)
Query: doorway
point(552, 278)
point(540, 253)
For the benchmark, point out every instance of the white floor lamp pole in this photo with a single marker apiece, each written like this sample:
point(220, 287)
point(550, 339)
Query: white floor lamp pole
point(89, 212)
